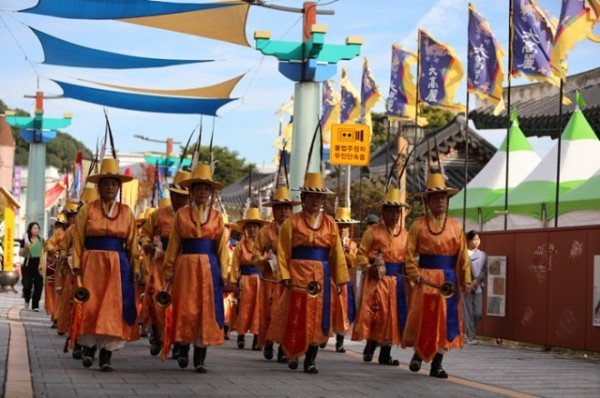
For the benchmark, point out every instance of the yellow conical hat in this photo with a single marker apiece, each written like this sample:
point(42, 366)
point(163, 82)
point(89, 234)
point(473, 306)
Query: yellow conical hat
point(252, 215)
point(176, 187)
point(281, 196)
point(72, 206)
point(313, 183)
point(145, 214)
point(61, 218)
point(202, 174)
point(228, 224)
point(343, 216)
point(164, 202)
point(109, 168)
point(436, 183)
point(89, 194)
point(393, 197)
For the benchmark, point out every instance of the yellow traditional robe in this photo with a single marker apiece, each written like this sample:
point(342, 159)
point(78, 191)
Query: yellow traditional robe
point(51, 247)
point(427, 327)
point(65, 282)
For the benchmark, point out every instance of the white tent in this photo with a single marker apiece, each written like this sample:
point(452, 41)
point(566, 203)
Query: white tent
point(581, 206)
point(489, 184)
point(532, 202)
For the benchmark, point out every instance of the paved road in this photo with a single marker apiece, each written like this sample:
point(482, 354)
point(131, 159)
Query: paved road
point(478, 371)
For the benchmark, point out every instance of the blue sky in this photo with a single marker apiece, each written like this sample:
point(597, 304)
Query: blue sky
point(248, 125)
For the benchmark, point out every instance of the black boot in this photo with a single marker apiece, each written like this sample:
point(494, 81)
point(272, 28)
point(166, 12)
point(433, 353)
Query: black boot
point(88, 356)
point(309, 360)
point(199, 357)
point(369, 350)
point(255, 346)
point(226, 332)
point(281, 358)
point(105, 356)
point(385, 356)
point(436, 367)
point(293, 364)
point(339, 343)
point(182, 357)
point(240, 342)
point(323, 345)
point(175, 351)
point(268, 350)
point(415, 363)
point(76, 354)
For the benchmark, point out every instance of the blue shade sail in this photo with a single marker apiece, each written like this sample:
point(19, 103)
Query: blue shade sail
point(64, 53)
point(144, 103)
point(116, 9)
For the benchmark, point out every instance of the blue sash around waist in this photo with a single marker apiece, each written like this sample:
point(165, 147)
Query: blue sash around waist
point(445, 264)
point(395, 269)
point(351, 302)
point(250, 270)
point(165, 243)
point(109, 243)
point(320, 254)
point(208, 247)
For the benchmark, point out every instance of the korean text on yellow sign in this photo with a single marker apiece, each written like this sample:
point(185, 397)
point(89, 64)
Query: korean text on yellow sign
point(350, 144)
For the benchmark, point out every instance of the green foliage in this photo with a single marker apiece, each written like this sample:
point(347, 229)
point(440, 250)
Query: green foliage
point(436, 117)
point(229, 167)
point(60, 152)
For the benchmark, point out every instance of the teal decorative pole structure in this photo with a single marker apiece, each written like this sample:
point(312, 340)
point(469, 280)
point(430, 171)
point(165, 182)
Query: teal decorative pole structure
point(308, 63)
point(38, 131)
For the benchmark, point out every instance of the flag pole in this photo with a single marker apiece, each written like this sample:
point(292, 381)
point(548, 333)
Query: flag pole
point(508, 121)
point(417, 92)
point(387, 145)
point(466, 160)
point(560, 115)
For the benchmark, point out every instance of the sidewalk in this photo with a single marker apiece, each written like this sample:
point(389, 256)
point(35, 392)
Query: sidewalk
point(478, 371)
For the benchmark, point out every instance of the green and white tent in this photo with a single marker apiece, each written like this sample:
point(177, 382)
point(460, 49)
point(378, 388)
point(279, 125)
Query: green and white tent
point(531, 203)
point(581, 205)
point(489, 184)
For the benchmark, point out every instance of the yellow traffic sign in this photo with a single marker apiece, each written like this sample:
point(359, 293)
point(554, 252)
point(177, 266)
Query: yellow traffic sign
point(350, 145)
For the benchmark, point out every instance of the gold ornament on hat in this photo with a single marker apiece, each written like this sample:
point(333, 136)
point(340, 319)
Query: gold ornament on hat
point(252, 216)
point(343, 216)
point(71, 207)
point(436, 183)
point(202, 174)
point(109, 168)
point(61, 218)
point(176, 186)
point(281, 196)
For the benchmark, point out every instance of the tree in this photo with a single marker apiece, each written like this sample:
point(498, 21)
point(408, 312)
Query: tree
point(436, 117)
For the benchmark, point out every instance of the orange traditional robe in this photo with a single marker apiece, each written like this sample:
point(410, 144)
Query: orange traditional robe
point(160, 223)
point(196, 259)
point(106, 251)
point(65, 282)
point(435, 323)
point(342, 303)
point(382, 309)
point(245, 271)
point(51, 247)
point(309, 249)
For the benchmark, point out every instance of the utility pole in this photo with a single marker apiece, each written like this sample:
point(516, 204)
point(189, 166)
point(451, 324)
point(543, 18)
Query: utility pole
point(307, 63)
point(38, 131)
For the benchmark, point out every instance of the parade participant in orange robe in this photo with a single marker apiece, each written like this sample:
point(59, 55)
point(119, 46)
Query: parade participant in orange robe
point(105, 257)
point(64, 278)
point(196, 266)
point(343, 306)
point(141, 305)
point(383, 305)
point(436, 251)
point(268, 238)
point(154, 238)
point(309, 249)
point(52, 259)
point(246, 273)
point(230, 303)
point(66, 283)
